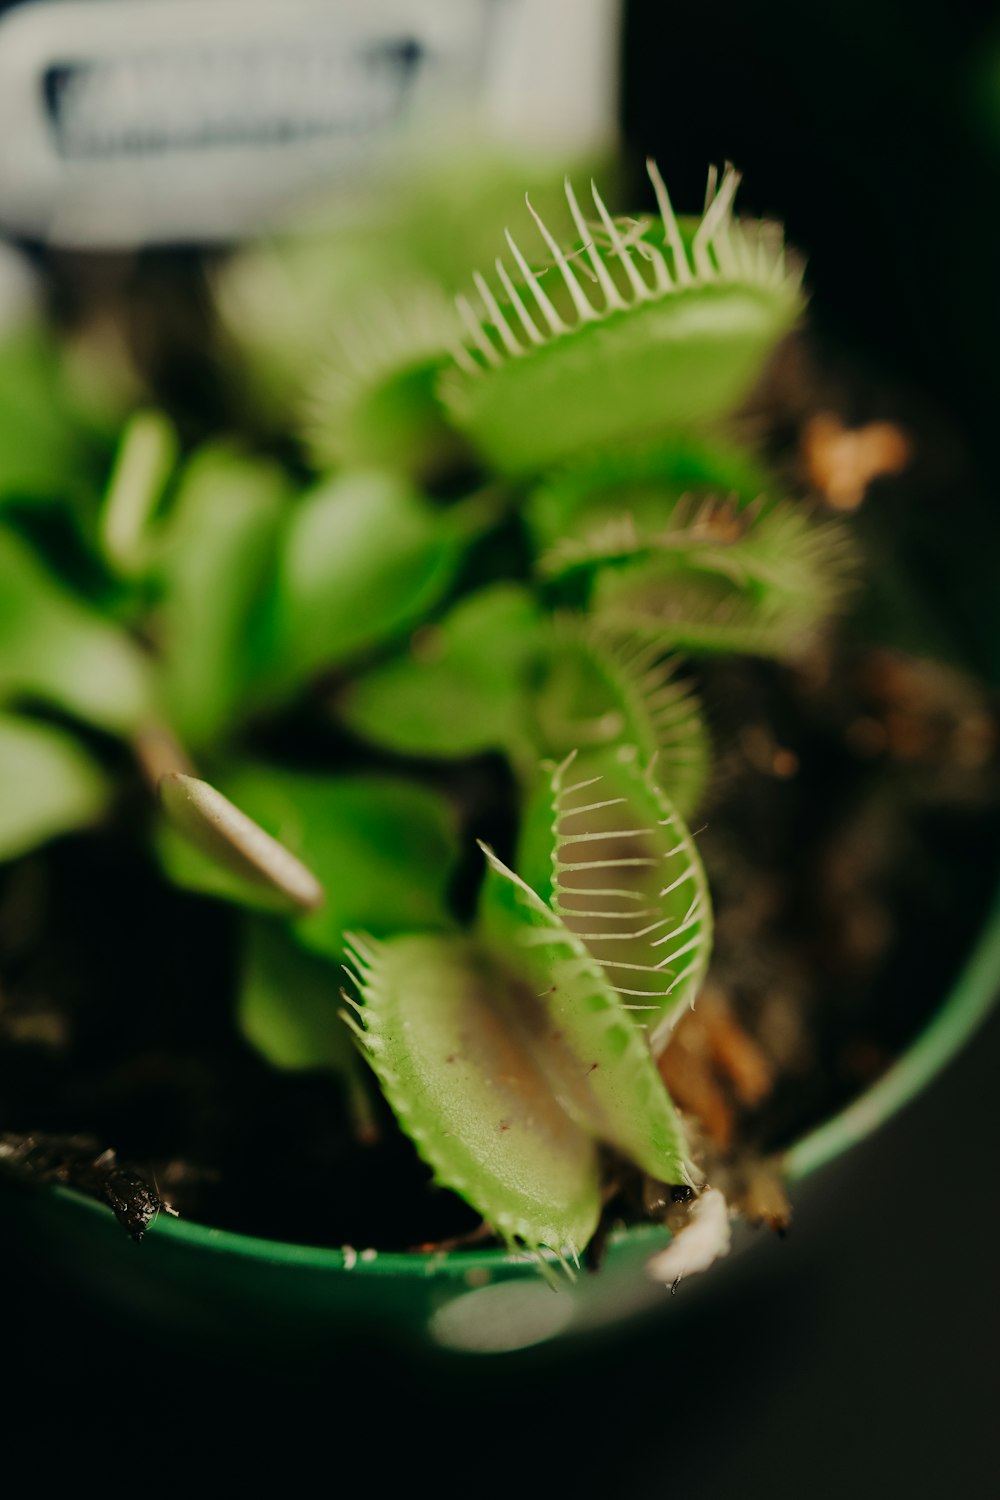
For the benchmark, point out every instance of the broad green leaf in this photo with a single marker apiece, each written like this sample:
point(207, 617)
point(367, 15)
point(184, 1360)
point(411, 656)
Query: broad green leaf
point(438, 1023)
point(604, 689)
point(597, 1061)
point(147, 452)
point(462, 685)
point(274, 300)
point(48, 785)
point(290, 1009)
point(665, 337)
point(384, 850)
point(617, 503)
point(612, 857)
point(396, 421)
point(54, 649)
point(364, 558)
point(375, 400)
point(46, 452)
point(290, 1002)
point(216, 568)
point(243, 861)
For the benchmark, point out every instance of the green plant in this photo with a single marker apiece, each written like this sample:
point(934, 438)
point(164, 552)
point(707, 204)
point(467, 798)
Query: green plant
point(536, 506)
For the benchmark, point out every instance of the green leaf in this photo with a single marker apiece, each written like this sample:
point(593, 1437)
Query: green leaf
point(597, 1061)
point(290, 1003)
point(46, 452)
point(54, 649)
point(290, 1008)
point(48, 785)
point(438, 1025)
point(665, 337)
point(384, 850)
point(605, 689)
point(216, 568)
point(243, 862)
point(463, 684)
point(375, 399)
point(365, 557)
point(615, 504)
point(147, 452)
point(614, 860)
point(278, 299)
point(780, 551)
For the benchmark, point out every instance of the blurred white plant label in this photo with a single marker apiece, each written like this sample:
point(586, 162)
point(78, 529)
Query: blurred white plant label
point(135, 121)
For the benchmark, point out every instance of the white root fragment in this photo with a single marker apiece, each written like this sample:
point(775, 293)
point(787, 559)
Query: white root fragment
point(705, 1238)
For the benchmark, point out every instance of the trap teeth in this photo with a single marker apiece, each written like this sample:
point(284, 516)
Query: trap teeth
point(720, 249)
point(670, 329)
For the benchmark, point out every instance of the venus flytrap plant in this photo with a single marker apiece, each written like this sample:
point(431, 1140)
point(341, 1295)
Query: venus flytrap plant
point(671, 333)
point(624, 876)
point(363, 558)
point(58, 417)
point(763, 590)
point(375, 401)
point(615, 891)
point(326, 330)
point(604, 689)
point(381, 848)
point(524, 636)
point(509, 1054)
point(58, 650)
point(51, 786)
point(470, 1095)
point(213, 567)
point(284, 1011)
point(144, 461)
point(638, 485)
point(499, 671)
point(461, 686)
point(598, 1065)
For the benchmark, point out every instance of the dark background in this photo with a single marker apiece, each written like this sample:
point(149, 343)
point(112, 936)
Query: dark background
point(859, 1356)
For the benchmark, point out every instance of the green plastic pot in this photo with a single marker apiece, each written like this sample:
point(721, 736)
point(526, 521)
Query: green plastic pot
point(194, 1284)
point(187, 1281)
